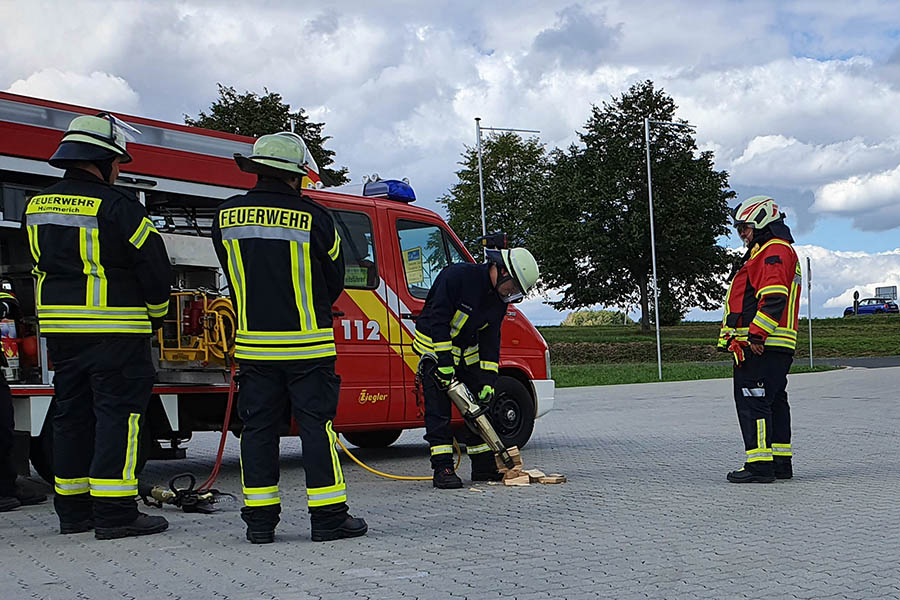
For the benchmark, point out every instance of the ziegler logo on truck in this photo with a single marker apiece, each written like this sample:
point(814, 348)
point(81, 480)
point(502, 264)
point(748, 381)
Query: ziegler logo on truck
point(365, 398)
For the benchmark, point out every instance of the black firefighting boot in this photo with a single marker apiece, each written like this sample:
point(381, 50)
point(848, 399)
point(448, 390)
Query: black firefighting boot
point(484, 467)
point(8, 503)
point(783, 469)
point(261, 522)
point(329, 523)
point(753, 474)
point(445, 478)
point(142, 525)
point(75, 513)
point(29, 493)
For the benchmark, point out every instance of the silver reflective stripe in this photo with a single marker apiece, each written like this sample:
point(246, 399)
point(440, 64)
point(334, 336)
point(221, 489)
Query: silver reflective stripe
point(74, 486)
point(235, 270)
point(751, 455)
point(260, 496)
point(83, 221)
point(246, 353)
point(98, 326)
point(755, 392)
point(328, 496)
point(478, 449)
point(459, 319)
point(125, 314)
point(305, 308)
point(240, 232)
point(113, 488)
point(287, 337)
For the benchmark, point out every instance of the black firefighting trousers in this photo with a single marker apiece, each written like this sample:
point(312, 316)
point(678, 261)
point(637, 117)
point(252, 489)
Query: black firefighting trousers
point(760, 393)
point(269, 392)
point(102, 387)
point(7, 470)
point(438, 432)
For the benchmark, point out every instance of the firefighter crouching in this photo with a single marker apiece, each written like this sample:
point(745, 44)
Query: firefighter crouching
point(282, 255)
point(103, 283)
point(760, 329)
point(458, 335)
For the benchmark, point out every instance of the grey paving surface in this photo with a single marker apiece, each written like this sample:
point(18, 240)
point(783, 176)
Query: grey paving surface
point(647, 514)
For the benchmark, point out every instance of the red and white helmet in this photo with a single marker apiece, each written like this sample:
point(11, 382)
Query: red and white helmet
point(756, 212)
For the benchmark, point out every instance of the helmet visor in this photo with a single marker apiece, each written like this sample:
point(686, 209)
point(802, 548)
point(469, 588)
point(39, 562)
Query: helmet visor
point(509, 290)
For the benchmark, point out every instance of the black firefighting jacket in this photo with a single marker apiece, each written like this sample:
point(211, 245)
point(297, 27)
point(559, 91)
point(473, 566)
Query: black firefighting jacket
point(281, 254)
point(100, 264)
point(460, 324)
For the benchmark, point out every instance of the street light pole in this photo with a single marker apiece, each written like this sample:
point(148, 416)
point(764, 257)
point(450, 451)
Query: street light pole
point(478, 130)
point(647, 123)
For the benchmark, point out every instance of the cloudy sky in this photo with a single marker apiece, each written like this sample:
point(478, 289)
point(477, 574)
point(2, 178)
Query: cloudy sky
point(798, 99)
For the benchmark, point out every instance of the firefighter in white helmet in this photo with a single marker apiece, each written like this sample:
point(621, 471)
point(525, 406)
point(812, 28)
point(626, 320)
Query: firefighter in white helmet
point(282, 255)
point(760, 329)
point(458, 335)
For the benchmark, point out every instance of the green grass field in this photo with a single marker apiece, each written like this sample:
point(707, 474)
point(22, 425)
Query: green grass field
point(623, 354)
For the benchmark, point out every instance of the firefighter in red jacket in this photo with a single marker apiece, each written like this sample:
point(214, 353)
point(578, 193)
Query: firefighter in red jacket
point(760, 329)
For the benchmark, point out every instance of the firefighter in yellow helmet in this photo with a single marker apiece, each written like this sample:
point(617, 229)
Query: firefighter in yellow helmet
point(760, 329)
point(282, 253)
point(103, 284)
point(458, 336)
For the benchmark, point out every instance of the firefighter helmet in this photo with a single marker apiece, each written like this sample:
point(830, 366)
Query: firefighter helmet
point(92, 139)
point(756, 212)
point(522, 269)
point(276, 154)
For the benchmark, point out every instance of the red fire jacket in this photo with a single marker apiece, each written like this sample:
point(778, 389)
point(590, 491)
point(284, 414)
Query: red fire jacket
point(763, 299)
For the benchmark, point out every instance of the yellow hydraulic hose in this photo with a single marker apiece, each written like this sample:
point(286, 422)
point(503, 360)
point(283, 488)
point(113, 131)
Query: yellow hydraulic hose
point(400, 477)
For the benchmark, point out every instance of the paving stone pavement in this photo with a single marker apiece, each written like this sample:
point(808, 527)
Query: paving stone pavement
point(647, 513)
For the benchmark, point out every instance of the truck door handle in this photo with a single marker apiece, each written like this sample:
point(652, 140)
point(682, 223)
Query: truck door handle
point(337, 313)
point(410, 316)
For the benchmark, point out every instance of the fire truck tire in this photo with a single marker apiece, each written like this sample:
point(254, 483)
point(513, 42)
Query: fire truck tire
point(512, 412)
point(373, 439)
point(41, 450)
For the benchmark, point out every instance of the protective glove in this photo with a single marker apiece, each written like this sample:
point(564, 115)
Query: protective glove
point(444, 376)
point(486, 395)
point(737, 349)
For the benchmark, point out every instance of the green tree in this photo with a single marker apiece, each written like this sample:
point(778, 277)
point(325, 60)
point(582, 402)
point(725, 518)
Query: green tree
point(515, 172)
point(594, 242)
point(255, 115)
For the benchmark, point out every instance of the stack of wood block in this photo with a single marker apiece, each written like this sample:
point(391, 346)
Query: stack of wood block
point(521, 476)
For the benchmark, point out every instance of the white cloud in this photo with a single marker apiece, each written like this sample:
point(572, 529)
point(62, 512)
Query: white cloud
point(99, 90)
point(862, 193)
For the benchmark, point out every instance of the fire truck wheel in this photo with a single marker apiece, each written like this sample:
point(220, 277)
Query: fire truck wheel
point(512, 412)
point(41, 450)
point(373, 439)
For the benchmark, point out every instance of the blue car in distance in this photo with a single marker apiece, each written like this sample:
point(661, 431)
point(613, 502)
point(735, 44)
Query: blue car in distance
point(871, 306)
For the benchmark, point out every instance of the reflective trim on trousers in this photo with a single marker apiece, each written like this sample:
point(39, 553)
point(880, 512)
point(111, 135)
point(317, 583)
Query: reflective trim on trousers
point(479, 449)
point(754, 392)
point(71, 487)
point(261, 496)
point(487, 365)
point(131, 447)
point(781, 450)
point(325, 496)
point(442, 449)
point(113, 488)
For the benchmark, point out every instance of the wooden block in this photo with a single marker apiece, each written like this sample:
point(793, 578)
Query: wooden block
point(553, 478)
point(535, 474)
point(522, 479)
point(513, 454)
point(513, 473)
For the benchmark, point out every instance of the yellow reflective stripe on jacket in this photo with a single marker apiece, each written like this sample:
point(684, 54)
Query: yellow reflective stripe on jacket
point(284, 353)
point(56, 318)
point(457, 323)
point(765, 322)
point(95, 275)
point(36, 255)
point(279, 338)
point(772, 289)
point(326, 496)
point(336, 248)
point(261, 496)
point(239, 281)
point(71, 487)
point(142, 232)
point(158, 310)
point(107, 326)
point(113, 488)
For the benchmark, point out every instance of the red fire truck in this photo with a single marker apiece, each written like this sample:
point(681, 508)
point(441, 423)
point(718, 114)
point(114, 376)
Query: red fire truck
point(392, 249)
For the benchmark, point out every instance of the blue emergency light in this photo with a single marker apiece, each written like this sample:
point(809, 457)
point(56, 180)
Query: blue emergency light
point(392, 189)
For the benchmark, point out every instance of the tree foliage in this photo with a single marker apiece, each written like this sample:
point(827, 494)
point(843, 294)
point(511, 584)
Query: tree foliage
point(256, 115)
point(515, 172)
point(591, 233)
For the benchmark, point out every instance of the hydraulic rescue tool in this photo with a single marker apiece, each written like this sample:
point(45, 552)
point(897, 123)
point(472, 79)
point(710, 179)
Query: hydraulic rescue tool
point(476, 418)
